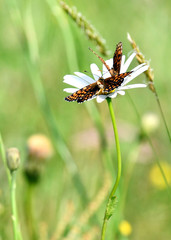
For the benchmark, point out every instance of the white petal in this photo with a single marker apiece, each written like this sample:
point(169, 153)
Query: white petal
point(106, 73)
point(138, 67)
point(70, 90)
point(138, 85)
point(91, 98)
point(129, 38)
point(109, 62)
point(112, 95)
point(101, 98)
point(123, 59)
point(85, 77)
point(125, 66)
point(121, 92)
point(135, 73)
point(122, 63)
point(95, 71)
point(75, 81)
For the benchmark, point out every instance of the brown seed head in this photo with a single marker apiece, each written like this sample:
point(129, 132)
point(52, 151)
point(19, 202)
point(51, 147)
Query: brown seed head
point(141, 59)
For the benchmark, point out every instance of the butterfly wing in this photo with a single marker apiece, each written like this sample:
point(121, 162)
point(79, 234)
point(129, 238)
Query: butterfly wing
point(112, 83)
point(117, 58)
point(84, 93)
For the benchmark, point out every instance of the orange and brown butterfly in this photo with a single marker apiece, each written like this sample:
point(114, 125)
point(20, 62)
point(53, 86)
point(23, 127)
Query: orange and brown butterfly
point(103, 86)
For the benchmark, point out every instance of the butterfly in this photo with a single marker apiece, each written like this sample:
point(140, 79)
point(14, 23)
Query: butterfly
point(103, 86)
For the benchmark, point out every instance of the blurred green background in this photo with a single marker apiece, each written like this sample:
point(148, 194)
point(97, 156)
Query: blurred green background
point(39, 48)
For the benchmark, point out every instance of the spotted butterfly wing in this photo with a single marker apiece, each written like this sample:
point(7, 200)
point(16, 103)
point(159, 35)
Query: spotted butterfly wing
point(117, 58)
point(107, 85)
point(84, 93)
point(112, 83)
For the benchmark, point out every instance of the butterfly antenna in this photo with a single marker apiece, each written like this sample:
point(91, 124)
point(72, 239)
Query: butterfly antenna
point(101, 59)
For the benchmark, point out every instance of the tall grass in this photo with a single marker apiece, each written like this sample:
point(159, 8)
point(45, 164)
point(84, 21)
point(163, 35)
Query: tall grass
point(55, 207)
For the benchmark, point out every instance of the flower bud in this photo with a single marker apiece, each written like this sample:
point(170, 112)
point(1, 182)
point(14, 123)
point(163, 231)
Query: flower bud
point(13, 159)
point(39, 150)
point(39, 147)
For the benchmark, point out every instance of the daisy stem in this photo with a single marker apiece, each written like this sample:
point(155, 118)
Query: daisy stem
point(111, 201)
point(109, 101)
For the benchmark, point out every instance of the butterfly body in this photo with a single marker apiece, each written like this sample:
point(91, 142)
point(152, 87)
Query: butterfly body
point(103, 86)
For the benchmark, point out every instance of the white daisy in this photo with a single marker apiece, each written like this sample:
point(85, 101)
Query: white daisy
point(80, 80)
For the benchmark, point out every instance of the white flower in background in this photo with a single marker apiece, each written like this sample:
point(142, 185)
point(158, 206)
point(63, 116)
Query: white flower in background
point(80, 80)
point(150, 122)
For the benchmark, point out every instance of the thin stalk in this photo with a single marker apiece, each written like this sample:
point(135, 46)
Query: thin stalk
point(73, 65)
point(104, 228)
point(109, 101)
point(130, 164)
point(16, 230)
point(31, 55)
point(3, 157)
point(30, 218)
point(12, 184)
point(162, 114)
point(72, 60)
point(84, 25)
point(150, 76)
point(62, 20)
point(151, 144)
point(111, 200)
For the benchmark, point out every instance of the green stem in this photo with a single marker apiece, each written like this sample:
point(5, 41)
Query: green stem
point(29, 213)
point(16, 228)
point(62, 20)
point(150, 142)
point(111, 200)
point(12, 184)
point(109, 101)
point(72, 60)
point(31, 55)
point(162, 114)
point(104, 228)
point(13, 204)
point(3, 157)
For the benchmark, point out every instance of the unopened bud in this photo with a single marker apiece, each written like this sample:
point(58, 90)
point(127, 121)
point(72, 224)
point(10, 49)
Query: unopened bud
point(39, 147)
point(13, 158)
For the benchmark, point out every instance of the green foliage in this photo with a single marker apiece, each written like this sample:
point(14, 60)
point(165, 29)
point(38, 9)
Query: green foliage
point(39, 44)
